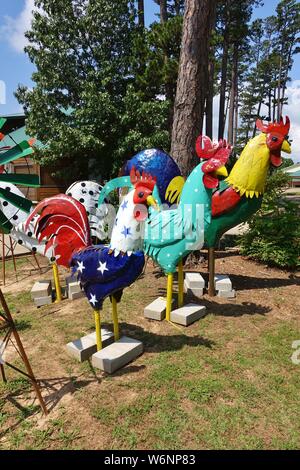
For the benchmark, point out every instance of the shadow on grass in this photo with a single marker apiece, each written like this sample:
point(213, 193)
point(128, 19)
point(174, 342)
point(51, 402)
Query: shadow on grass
point(241, 282)
point(158, 343)
point(23, 325)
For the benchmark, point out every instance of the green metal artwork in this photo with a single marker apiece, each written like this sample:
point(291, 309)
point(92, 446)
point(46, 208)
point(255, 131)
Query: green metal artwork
point(10, 195)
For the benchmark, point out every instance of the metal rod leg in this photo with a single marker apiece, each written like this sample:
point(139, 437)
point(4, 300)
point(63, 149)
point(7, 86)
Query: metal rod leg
point(37, 262)
point(180, 284)
point(56, 282)
point(169, 296)
point(3, 258)
point(211, 263)
point(115, 318)
point(98, 329)
point(23, 354)
point(13, 255)
point(3, 373)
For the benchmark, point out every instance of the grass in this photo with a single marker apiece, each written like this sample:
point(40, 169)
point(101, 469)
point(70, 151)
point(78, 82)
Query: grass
point(227, 382)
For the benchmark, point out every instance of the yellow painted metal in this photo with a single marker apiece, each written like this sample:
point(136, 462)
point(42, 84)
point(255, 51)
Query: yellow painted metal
point(180, 284)
point(98, 329)
point(115, 318)
point(169, 296)
point(57, 283)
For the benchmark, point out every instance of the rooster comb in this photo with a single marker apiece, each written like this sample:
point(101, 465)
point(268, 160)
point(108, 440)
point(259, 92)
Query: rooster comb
point(280, 127)
point(206, 149)
point(144, 179)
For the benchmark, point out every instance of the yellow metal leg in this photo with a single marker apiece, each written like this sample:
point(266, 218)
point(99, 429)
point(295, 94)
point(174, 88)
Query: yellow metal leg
point(169, 297)
point(57, 283)
point(180, 284)
point(98, 329)
point(115, 318)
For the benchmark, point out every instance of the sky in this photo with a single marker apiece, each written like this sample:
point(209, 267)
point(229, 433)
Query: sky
point(15, 18)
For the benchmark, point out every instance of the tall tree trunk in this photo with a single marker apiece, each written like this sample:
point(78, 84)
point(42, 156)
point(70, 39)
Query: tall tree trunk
point(236, 118)
point(233, 94)
point(286, 75)
point(141, 13)
point(210, 100)
point(177, 7)
point(274, 105)
point(210, 88)
point(168, 86)
point(279, 89)
point(163, 11)
point(192, 81)
point(224, 77)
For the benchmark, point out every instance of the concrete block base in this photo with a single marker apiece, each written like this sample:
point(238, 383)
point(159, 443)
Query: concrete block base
point(76, 295)
point(193, 291)
point(222, 282)
point(40, 301)
point(41, 289)
point(117, 355)
point(157, 309)
point(230, 294)
point(194, 281)
point(85, 347)
point(188, 314)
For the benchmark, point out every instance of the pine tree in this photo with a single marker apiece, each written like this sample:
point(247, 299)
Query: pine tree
point(192, 81)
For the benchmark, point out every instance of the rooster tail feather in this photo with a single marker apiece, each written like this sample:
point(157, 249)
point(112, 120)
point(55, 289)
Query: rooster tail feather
point(63, 222)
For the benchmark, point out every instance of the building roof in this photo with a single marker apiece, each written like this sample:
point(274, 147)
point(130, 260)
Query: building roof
point(293, 170)
point(13, 137)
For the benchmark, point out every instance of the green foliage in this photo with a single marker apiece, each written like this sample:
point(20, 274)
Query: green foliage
point(84, 106)
point(273, 236)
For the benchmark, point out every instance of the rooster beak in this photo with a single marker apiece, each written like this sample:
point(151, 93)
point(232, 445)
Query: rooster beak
point(222, 171)
point(286, 147)
point(152, 202)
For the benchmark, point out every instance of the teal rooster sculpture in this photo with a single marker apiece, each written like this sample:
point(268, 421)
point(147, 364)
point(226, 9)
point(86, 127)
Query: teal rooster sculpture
point(171, 235)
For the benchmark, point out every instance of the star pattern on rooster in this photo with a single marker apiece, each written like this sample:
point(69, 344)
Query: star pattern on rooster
point(124, 205)
point(93, 300)
point(81, 266)
point(102, 267)
point(126, 231)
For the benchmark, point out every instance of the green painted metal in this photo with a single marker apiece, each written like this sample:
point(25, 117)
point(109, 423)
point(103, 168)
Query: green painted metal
point(32, 181)
point(18, 201)
point(18, 151)
point(241, 213)
point(173, 234)
point(5, 225)
point(2, 122)
point(122, 182)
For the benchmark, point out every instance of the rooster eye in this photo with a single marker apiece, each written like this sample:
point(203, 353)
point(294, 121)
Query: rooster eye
point(140, 195)
point(274, 139)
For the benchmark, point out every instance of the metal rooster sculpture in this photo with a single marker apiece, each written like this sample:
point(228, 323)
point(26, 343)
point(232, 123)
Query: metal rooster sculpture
point(102, 271)
point(241, 194)
point(172, 234)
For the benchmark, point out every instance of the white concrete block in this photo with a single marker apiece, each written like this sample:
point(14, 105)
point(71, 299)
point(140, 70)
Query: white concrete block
point(40, 301)
point(157, 309)
point(77, 295)
point(41, 289)
point(230, 294)
point(70, 279)
point(117, 355)
point(85, 347)
point(222, 282)
point(74, 287)
point(194, 292)
point(188, 314)
point(194, 281)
